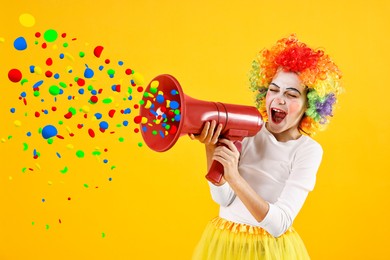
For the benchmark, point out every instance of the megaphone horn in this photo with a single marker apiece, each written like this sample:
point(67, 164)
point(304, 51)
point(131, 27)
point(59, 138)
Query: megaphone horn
point(166, 113)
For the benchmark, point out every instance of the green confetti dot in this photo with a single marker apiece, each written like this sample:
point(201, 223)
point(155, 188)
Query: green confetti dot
point(110, 72)
point(81, 54)
point(121, 139)
point(65, 170)
point(141, 102)
point(60, 122)
point(107, 100)
point(129, 90)
point(154, 132)
point(140, 144)
point(90, 88)
point(80, 154)
point(86, 185)
point(24, 169)
point(113, 167)
point(54, 90)
point(50, 35)
point(65, 44)
point(96, 153)
point(50, 140)
point(47, 226)
point(103, 235)
point(63, 85)
point(37, 93)
point(153, 90)
point(72, 110)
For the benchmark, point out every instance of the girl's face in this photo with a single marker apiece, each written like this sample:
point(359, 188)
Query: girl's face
point(286, 103)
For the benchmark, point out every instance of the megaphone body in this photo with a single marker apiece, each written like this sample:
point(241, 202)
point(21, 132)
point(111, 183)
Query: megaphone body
point(188, 115)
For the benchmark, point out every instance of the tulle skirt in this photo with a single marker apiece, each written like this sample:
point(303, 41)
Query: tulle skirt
point(226, 240)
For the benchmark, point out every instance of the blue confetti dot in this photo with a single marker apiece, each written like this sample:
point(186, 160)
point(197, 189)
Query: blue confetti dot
point(32, 69)
point(43, 200)
point(103, 125)
point(101, 67)
point(88, 73)
point(177, 118)
point(20, 44)
point(98, 116)
point(93, 92)
point(62, 56)
point(174, 105)
point(174, 92)
point(127, 111)
point(110, 179)
point(58, 155)
point(45, 111)
point(28, 134)
point(70, 97)
point(160, 98)
point(23, 94)
point(125, 123)
point(13, 110)
point(105, 161)
point(49, 131)
point(56, 76)
point(37, 84)
point(81, 91)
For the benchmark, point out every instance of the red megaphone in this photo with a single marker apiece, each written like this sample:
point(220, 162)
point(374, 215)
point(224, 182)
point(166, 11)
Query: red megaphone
point(166, 113)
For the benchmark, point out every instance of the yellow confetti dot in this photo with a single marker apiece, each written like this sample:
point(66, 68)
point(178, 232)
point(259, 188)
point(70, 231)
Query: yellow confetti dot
point(85, 109)
point(17, 123)
point(27, 20)
point(38, 70)
point(138, 78)
point(10, 178)
point(3, 140)
point(154, 84)
point(50, 182)
point(144, 120)
point(70, 146)
point(148, 104)
point(2, 39)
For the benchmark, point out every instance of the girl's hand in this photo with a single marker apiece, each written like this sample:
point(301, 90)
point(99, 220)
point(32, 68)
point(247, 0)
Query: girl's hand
point(209, 135)
point(228, 155)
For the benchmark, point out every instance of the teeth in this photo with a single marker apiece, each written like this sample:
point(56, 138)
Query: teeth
point(277, 110)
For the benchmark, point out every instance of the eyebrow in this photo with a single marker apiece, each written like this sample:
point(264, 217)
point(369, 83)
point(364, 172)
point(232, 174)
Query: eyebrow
point(293, 89)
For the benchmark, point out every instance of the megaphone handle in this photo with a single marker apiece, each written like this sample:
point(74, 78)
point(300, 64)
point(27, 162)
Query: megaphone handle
point(216, 170)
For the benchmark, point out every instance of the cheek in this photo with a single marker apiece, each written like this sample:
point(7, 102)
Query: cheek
point(295, 108)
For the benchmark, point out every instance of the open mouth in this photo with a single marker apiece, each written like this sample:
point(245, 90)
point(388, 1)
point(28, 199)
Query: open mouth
point(277, 115)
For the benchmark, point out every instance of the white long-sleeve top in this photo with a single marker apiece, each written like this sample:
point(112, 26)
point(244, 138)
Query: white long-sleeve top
point(282, 173)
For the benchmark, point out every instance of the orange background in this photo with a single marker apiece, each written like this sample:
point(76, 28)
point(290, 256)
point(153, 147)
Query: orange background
point(157, 204)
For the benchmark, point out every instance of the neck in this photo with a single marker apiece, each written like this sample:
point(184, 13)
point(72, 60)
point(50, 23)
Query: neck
point(287, 135)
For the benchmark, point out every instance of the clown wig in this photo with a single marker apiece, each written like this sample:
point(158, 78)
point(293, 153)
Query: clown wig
point(316, 71)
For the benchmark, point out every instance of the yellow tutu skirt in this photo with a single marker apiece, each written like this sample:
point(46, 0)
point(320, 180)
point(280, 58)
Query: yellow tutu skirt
point(226, 240)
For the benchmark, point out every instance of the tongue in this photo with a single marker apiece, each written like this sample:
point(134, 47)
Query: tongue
point(278, 116)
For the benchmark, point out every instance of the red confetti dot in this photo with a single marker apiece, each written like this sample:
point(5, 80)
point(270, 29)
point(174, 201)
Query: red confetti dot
point(37, 34)
point(49, 61)
point(37, 114)
point(25, 101)
point(53, 109)
point(63, 35)
point(48, 73)
point(102, 130)
point(105, 149)
point(44, 45)
point(111, 113)
point(91, 133)
point(136, 106)
point(80, 82)
point(137, 119)
point(69, 198)
point(140, 89)
point(71, 134)
point(100, 91)
point(79, 126)
point(94, 99)
point(60, 136)
point(98, 51)
point(173, 130)
point(136, 130)
point(68, 115)
point(107, 61)
point(128, 71)
point(15, 75)
point(85, 115)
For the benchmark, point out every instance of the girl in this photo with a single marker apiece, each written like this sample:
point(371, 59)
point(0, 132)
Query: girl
point(264, 187)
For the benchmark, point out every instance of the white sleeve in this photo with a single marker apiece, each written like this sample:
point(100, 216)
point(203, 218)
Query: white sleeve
point(223, 195)
point(301, 181)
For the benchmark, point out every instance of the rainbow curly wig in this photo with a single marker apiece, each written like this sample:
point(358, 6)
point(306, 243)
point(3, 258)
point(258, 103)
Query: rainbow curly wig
point(316, 71)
